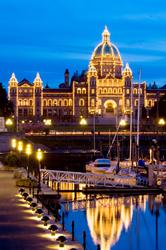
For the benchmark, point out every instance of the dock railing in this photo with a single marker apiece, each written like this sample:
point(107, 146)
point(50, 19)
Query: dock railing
point(96, 180)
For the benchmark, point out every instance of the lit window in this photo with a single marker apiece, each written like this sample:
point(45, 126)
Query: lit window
point(99, 102)
point(127, 91)
point(109, 90)
point(127, 103)
point(134, 91)
point(115, 91)
point(49, 103)
point(136, 102)
point(31, 112)
point(92, 102)
point(78, 91)
point(65, 102)
point(105, 91)
point(81, 102)
point(25, 102)
point(70, 102)
point(60, 102)
point(93, 91)
point(44, 103)
point(100, 91)
point(83, 91)
point(20, 102)
point(119, 90)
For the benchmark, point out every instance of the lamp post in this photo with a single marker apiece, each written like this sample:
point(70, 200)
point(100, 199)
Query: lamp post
point(122, 123)
point(14, 144)
point(20, 149)
point(9, 123)
point(39, 157)
point(28, 151)
point(83, 122)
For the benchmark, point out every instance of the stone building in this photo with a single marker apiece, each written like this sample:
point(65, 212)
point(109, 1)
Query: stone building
point(103, 90)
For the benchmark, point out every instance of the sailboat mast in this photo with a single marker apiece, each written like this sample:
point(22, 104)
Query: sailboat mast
point(131, 112)
point(138, 115)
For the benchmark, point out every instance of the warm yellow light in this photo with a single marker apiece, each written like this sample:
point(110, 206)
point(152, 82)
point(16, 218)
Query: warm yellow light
point(39, 154)
point(23, 121)
point(122, 122)
point(20, 146)
point(83, 122)
point(47, 122)
point(161, 122)
point(14, 143)
point(28, 149)
point(9, 122)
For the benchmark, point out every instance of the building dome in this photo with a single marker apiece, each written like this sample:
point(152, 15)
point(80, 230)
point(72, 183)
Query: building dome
point(106, 58)
point(106, 48)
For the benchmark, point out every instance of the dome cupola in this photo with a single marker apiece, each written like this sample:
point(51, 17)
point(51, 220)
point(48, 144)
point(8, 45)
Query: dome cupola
point(127, 71)
point(106, 58)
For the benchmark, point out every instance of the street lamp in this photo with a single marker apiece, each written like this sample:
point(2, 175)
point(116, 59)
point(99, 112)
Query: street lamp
point(28, 151)
point(20, 149)
point(14, 144)
point(83, 122)
point(9, 123)
point(39, 157)
point(47, 121)
point(20, 146)
point(122, 123)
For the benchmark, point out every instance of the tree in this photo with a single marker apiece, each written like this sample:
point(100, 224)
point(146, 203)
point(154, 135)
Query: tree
point(162, 109)
point(12, 159)
point(144, 112)
point(6, 106)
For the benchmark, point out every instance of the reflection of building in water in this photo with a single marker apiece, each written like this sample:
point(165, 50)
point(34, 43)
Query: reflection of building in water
point(109, 216)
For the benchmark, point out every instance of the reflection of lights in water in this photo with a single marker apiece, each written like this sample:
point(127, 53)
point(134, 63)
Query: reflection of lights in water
point(108, 217)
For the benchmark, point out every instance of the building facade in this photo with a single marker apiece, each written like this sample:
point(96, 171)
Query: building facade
point(103, 90)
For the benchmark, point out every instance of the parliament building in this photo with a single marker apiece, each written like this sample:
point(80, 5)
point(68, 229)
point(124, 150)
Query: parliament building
point(104, 90)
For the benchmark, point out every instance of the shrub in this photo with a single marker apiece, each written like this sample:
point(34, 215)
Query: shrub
point(12, 159)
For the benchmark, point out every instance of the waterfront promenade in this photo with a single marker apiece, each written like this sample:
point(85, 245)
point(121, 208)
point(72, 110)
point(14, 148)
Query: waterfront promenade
point(19, 228)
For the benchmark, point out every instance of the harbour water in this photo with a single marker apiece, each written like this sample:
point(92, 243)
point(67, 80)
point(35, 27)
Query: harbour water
point(117, 222)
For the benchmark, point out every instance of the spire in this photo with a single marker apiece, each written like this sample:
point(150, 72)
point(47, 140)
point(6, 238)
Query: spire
point(127, 70)
point(13, 79)
point(37, 80)
point(106, 35)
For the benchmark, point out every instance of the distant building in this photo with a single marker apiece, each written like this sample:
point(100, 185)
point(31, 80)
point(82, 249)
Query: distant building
point(104, 89)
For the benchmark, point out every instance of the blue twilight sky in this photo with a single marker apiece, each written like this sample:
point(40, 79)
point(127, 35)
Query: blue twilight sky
point(48, 36)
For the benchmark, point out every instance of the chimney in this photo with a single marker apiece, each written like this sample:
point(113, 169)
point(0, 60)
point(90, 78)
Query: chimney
point(66, 78)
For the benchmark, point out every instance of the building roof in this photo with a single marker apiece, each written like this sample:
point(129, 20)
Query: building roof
point(163, 87)
point(25, 81)
point(58, 90)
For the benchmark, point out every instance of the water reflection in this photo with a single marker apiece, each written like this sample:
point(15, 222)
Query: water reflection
point(138, 221)
point(107, 219)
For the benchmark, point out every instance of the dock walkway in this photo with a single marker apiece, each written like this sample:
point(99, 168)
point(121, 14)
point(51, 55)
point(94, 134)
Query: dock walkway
point(19, 227)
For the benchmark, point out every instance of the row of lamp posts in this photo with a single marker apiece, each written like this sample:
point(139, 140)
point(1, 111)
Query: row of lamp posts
point(28, 152)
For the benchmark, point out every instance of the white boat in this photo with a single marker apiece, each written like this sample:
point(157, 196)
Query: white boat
point(99, 166)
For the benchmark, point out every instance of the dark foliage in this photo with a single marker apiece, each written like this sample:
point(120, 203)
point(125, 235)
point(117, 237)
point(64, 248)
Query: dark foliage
point(6, 106)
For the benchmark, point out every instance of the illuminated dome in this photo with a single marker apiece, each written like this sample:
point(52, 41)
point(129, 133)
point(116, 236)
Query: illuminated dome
point(106, 59)
point(106, 48)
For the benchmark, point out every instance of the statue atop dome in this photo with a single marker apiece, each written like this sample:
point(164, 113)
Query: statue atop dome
point(106, 35)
